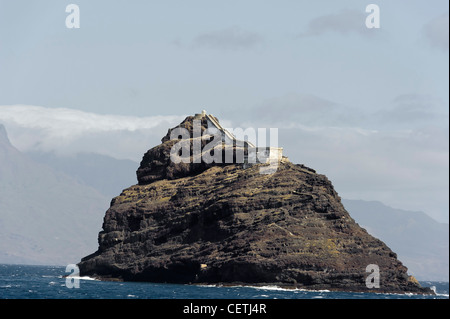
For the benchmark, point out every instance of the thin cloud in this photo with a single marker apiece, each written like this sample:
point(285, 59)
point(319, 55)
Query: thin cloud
point(436, 32)
point(68, 131)
point(306, 109)
point(414, 111)
point(397, 154)
point(345, 22)
point(233, 38)
point(403, 168)
point(405, 112)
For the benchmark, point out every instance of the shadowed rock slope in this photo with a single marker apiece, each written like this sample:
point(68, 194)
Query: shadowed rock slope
point(229, 225)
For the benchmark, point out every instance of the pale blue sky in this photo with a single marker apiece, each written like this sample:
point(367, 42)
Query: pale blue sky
point(147, 57)
point(368, 108)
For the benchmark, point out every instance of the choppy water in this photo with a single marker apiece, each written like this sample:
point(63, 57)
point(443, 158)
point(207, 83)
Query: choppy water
point(48, 282)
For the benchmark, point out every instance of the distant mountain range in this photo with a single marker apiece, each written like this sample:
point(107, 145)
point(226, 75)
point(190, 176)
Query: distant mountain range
point(46, 216)
point(421, 243)
point(106, 174)
point(52, 208)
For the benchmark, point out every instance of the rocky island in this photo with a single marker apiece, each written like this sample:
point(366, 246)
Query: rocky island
point(203, 222)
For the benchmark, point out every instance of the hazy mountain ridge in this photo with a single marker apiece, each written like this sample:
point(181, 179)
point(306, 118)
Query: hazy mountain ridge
point(421, 243)
point(106, 174)
point(46, 217)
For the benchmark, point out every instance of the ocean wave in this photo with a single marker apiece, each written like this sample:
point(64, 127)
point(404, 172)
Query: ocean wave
point(298, 290)
point(82, 278)
point(277, 288)
point(268, 287)
point(10, 286)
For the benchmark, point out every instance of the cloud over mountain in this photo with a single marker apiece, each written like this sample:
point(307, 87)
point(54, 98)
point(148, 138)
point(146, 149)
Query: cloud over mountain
point(68, 131)
point(397, 154)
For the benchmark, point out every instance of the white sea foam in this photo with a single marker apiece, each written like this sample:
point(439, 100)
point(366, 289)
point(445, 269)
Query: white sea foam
point(296, 290)
point(273, 288)
point(82, 277)
point(277, 288)
point(268, 287)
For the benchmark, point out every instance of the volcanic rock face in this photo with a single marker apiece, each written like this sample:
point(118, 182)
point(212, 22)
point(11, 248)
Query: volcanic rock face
point(226, 224)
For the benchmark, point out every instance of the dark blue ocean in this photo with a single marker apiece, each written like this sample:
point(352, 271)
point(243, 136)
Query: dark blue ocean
point(48, 282)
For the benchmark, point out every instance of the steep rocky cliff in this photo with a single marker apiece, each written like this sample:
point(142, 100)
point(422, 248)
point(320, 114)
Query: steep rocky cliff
point(221, 223)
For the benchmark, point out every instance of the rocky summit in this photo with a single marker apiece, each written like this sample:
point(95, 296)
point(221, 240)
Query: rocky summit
point(227, 223)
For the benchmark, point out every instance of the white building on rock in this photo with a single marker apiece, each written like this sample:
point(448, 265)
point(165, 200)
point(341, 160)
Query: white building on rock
point(247, 139)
